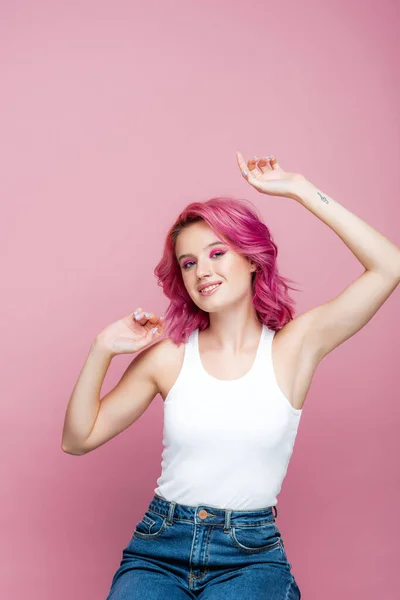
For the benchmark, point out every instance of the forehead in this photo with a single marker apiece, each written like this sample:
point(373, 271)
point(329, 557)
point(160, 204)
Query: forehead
point(194, 237)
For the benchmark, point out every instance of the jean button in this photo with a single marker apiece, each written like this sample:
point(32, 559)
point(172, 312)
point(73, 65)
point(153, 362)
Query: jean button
point(203, 514)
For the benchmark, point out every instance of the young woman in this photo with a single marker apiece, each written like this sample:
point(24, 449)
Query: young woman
point(233, 391)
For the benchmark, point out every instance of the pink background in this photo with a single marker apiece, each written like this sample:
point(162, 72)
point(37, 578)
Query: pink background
point(113, 117)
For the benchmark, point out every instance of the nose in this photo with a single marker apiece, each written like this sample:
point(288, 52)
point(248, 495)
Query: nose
point(203, 269)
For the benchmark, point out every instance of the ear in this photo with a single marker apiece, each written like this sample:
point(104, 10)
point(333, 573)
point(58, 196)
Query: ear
point(253, 266)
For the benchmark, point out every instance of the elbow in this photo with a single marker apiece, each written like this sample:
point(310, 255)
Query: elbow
point(73, 451)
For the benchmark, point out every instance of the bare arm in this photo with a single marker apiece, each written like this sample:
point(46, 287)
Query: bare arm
point(335, 321)
point(92, 422)
point(84, 403)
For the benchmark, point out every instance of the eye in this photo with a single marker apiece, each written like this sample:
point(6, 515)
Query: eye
point(190, 262)
point(185, 266)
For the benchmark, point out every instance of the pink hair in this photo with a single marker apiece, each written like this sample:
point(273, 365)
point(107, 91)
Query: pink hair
point(238, 223)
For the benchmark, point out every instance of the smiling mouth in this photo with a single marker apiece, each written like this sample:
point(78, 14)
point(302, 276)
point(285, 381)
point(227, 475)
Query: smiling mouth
point(209, 288)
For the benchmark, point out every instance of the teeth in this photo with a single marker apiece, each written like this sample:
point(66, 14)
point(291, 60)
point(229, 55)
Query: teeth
point(210, 287)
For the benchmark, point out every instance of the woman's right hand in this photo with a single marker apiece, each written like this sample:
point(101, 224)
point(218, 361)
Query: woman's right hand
point(129, 334)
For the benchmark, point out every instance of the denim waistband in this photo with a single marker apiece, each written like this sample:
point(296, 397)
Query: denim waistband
point(204, 513)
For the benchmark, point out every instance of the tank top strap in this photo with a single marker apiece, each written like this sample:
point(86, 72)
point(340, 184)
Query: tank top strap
point(193, 355)
point(190, 358)
point(265, 350)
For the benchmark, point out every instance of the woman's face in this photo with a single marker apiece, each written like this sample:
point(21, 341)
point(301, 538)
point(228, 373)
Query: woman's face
point(207, 260)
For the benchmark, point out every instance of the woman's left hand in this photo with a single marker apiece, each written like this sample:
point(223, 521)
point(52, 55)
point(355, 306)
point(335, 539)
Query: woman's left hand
point(269, 178)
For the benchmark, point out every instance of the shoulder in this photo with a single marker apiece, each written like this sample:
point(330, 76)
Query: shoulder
point(164, 354)
point(163, 348)
point(166, 359)
point(295, 331)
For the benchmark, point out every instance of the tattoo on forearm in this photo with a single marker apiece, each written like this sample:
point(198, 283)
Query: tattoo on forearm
point(323, 198)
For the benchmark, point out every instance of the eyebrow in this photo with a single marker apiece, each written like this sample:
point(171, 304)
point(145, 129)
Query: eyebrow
point(209, 245)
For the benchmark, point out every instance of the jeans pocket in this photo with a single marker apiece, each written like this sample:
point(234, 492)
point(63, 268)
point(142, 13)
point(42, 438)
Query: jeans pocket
point(255, 538)
point(151, 526)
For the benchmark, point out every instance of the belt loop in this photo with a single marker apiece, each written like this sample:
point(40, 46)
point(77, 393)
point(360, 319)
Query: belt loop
point(171, 510)
point(227, 524)
point(276, 511)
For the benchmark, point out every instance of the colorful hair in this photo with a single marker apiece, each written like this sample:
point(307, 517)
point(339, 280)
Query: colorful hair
point(240, 226)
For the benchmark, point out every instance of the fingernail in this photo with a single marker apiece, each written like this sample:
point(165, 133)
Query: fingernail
point(154, 330)
point(244, 172)
point(147, 315)
point(137, 317)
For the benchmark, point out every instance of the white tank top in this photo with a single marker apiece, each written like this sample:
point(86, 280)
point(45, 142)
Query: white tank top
point(226, 443)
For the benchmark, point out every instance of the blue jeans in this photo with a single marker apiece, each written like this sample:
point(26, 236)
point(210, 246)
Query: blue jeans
point(178, 552)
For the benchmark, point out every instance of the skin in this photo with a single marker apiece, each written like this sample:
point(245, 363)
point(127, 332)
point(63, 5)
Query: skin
point(234, 332)
point(233, 319)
